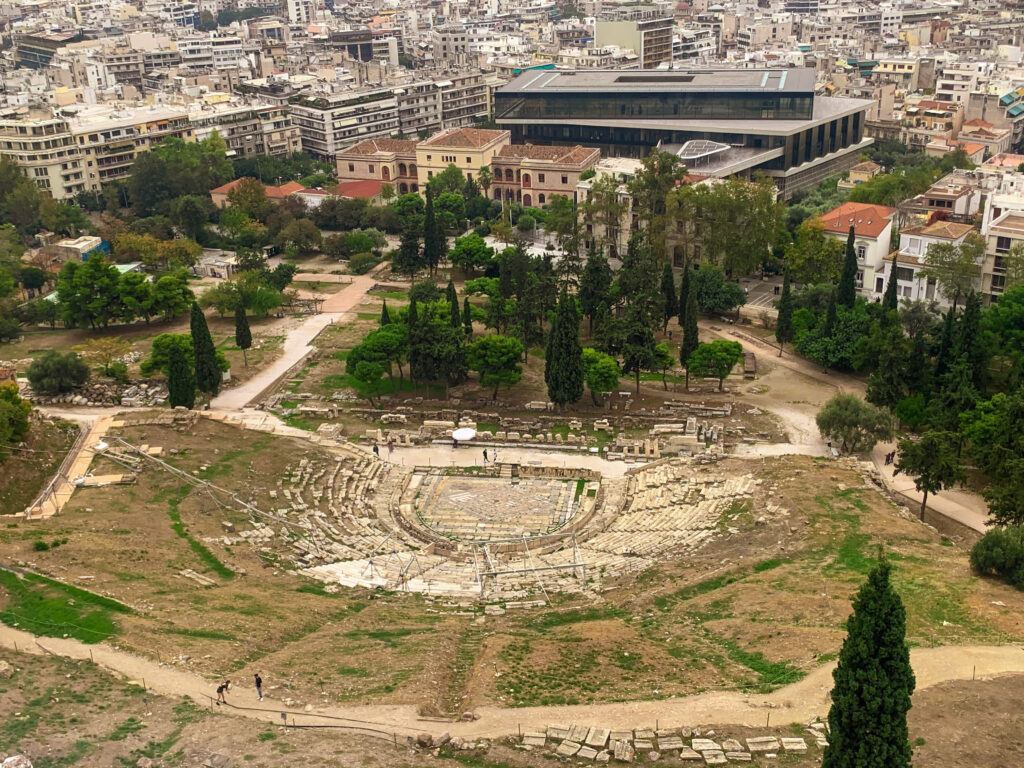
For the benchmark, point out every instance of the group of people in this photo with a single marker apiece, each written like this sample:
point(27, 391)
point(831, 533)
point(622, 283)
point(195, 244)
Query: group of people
point(493, 456)
point(391, 448)
point(890, 458)
point(226, 685)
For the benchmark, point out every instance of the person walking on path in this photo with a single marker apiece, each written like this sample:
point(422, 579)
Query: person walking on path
point(259, 681)
point(391, 447)
point(485, 455)
point(376, 450)
point(494, 456)
point(221, 689)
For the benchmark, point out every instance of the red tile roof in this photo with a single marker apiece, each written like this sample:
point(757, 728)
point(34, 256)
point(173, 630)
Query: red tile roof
point(867, 220)
point(465, 137)
point(367, 189)
point(273, 193)
point(384, 146)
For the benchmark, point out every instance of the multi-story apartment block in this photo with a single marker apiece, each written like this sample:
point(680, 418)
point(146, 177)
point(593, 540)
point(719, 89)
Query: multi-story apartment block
point(43, 147)
point(645, 29)
point(915, 243)
point(331, 122)
point(1003, 230)
point(247, 129)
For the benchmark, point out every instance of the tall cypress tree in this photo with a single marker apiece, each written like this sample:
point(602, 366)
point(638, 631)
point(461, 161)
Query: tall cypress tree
point(181, 382)
point(830, 317)
point(873, 682)
point(668, 292)
point(385, 316)
point(684, 294)
point(243, 336)
point(691, 338)
point(453, 305)
point(433, 237)
point(918, 368)
point(890, 301)
point(784, 325)
point(594, 284)
point(969, 344)
point(944, 358)
point(467, 318)
point(847, 293)
point(207, 371)
point(563, 361)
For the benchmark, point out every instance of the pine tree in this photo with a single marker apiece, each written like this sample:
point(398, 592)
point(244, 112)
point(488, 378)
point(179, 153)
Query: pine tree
point(208, 374)
point(407, 260)
point(563, 361)
point(691, 337)
point(668, 292)
point(944, 358)
point(433, 236)
point(685, 286)
point(385, 316)
point(181, 383)
point(847, 293)
point(243, 336)
point(873, 682)
point(830, 317)
point(467, 318)
point(784, 324)
point(890, 301)
point(453, 305)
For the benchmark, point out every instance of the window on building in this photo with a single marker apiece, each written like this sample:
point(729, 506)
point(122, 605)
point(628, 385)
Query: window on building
point(1003, 244)
point(879, 285)
point(540, 177)
point(469, 161)
point(862, 252)
point(905, 274)
point(351, 166)
point(565, 179)
point(369, 168)
point(998, 283)
point(430, 174)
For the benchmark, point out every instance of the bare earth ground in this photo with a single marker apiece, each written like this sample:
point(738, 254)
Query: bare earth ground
point(30, 466)
point(63, 712)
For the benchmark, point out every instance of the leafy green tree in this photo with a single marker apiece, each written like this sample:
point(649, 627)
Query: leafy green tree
point(448, 180)
point(933, 462)
point(53, 372)
point(784, 324)
point(243, 335)
point(208, 374)
point(14, 413)
point(407, 259)
point(434, 241)
point(714, 293)
point(387, 346)
point(955, 267)
point(846, 294)
point(496, 359)
point(890, 299)
point(1000, 552)
point(181, 381)
point(970, 344)
point(191, 213)
point(814, 256)
point(471, 253)
point(368, 377)
point(563, 364)
point(135, 294)
point(104, 352)
point(945, 356)
point(873, 682)
point(88, 293)
point(715, 359)
point(301, 234)
point(668, 292)
point(996, 443)
point(450, 209)
point(853, 423)
point(658, 175)
point(663, 361)
point(1004, 322)
point(171, 295)
point(887, 384)
point(601, 372)
point(594, 284)
point(638, 347)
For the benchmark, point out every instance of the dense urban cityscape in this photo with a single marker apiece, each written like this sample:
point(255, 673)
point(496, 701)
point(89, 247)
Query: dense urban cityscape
point(498, 383)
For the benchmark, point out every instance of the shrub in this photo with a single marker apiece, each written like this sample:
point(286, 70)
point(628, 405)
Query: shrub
point(424, 292)
point(40, 546)
point(118, 371)
point(1000, 553)
point(526, 223)
point(361, 263)
point(53, 372)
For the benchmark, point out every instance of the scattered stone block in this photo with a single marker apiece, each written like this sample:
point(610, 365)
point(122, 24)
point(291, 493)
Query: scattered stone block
point(597, 737)
point(533, 739)
point(739, 756)
point(794, 745)
point(715, 757)
point(6, 670)
point(645, 733)
point(666, 743)
point(703, 745)
point(603, 756)
point(586, 753)
point(654, 756)
point(688, 754)
point(763, 744)
point(623, 751)
point(620, 736)
point(578, 733)
point(567, 749)
point(731, 745)
point(558, 732)
point(642, 744)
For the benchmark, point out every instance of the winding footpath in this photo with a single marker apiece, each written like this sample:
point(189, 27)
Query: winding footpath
point(794, 703)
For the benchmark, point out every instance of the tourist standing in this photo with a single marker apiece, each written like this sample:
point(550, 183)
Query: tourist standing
point(485, 455)
point(221, 689)
point(259, 680)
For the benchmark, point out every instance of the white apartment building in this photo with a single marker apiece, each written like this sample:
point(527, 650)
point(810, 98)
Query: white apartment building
point(213, 51)
point(331, 122)
point(300, 12)
point(1003, 229)
point(914, 245)
point(46, 152)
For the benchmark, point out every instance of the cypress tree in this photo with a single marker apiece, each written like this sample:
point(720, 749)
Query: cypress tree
point(181, 383)
point(969, 345)
point(918, 372)
point(944, 359)
point(467, 318)
point(594, 284)
point(784, 325)
point(563, 361)
point(243, 336)
point(207, 371)
point(385, 316)
point(407, 259)
point(453, 305)
point(830, 317)
point(668, 291)
point(691, 339)
point(848, 278)
point(890, 301)
point(433, 237)
point(684, 294)
point(873, 682)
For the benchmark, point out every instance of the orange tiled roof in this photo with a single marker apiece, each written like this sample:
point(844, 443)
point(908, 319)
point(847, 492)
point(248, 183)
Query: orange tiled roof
point(577, 154)
point(367, 188)
point(867, 220)
point(465, 137)
point(388, 146)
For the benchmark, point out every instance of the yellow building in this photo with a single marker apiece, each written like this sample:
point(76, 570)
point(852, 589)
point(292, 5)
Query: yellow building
point(467, 148)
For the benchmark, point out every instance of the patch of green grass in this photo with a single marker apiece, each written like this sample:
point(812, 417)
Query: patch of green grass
point(266, 736)
point(288, 404)
point(125, 729)
point(770, 674)
point(73, 756)
point(574, 616)
point(353, 672)
point(301, 422)
point(206, 556)
point(396, 295)
point(664, 602)
point(767, 565)
point(389, 637)
point(580, 484)
point(204, 634)
point(47, 607)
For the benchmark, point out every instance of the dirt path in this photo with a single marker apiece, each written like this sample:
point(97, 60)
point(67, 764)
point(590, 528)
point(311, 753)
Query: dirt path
point(794, 703)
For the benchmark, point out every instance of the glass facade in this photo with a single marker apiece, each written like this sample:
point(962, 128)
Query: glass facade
point(649, 105)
